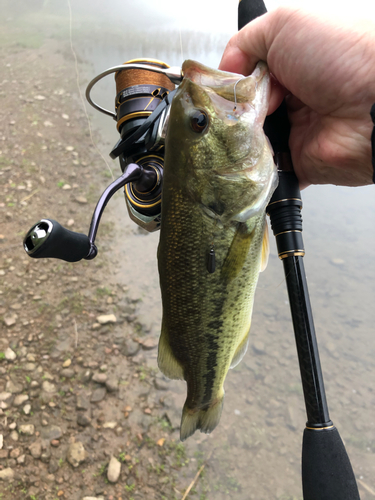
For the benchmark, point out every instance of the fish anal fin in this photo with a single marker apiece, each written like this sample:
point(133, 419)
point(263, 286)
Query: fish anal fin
point(203, 419)
point(238, 251)
point(265, 248)
point(241, 350)
point(167, 361)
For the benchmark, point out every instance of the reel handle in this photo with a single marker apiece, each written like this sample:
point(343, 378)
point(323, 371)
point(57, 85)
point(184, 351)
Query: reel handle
point(48, 238)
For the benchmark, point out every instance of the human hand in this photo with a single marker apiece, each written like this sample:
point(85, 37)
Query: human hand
point(327, 73)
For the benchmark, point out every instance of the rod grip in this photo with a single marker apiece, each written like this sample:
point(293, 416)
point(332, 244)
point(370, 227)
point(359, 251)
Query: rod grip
point(48, 238)
point(326, 470)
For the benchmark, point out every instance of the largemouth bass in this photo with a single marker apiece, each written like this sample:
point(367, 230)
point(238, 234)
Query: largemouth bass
point(219, 175)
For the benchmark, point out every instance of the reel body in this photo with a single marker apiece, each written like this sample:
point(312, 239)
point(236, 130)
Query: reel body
point(139, 93)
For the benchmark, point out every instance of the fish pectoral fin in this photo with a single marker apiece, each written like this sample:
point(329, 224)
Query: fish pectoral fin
point(265, 248)
point(241, 350)
point(205, 420)
point(167, 361)
point(238, 251)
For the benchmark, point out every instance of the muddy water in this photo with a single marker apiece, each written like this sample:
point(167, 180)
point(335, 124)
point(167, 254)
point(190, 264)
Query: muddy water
point(255, 451)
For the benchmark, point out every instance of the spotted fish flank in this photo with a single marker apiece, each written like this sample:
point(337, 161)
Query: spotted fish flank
point(218, 178)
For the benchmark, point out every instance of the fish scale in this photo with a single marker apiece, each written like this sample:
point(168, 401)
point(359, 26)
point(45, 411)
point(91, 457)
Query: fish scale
point(206, 316)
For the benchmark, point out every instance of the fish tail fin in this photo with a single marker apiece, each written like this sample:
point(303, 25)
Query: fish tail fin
point(205, 420)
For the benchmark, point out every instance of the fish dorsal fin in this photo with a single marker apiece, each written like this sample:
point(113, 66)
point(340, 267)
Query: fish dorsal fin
point(265, 248)
point(238, 251)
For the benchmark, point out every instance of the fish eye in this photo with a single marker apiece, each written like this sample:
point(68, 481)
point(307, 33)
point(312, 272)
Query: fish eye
point(199, 121)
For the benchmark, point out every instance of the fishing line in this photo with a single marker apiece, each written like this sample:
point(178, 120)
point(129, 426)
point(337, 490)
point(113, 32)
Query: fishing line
point(234, 92)
point(79, 88)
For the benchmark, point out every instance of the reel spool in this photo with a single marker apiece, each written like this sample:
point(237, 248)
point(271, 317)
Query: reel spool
point(139, 92)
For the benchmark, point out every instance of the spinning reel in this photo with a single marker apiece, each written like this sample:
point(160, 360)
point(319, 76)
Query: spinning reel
point(144, 92)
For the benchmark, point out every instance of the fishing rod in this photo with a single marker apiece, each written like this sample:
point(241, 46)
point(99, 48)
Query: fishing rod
point(327, 473)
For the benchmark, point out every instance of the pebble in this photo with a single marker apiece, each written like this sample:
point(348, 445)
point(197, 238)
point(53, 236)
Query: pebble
point(1, 441)
point(12, 426)
point(13, 387)
point(76, 454)
point(98, 395)
point(114, 470)
point(130, 348)
point(67, 363)
point(51, 432)
point(109, 425)
point(27, 409)
point(93, 498)
point(111, 384)
point(5, 396)
point(101, 378)
point(14, 436)
point(81, 199)
point(106, 318)
point(21, 459)
point(10, 319)
point(27, 429)
point(86, 377)
point(36, 449)
point(82, 402)
point(9, 354)
point(29, 367)
point(83, 419)
point(7, 474)
point(258, 347)
point(67, 373)
point(20, 399)
point(48, 387)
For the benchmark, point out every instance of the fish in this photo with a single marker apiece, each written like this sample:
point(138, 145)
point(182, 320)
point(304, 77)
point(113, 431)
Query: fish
point(219, 175)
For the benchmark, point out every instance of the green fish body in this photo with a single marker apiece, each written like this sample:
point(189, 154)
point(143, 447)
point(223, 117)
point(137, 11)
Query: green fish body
point(219, 175)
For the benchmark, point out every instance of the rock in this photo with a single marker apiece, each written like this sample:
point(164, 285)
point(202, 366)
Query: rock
point(114, 470)
point(83, 419)
point(13, 387)
point(15, 453)
point(12, 426)
point(14, 436)
point(29, 356)
point(9, 354)
point(10, 319)
point(93, 498)
point(20, 399)
point(100, 378)
point(76, 454)
point(67, 373)
point(1, 441)
point(104, 319)
point(27, 429)
point(130, 348)
point(4, 454)
point(111, 384)
point(160, 383)
point(86, 376)
point(21, 459)
point(82, 402)
point(29, 367)
point(27, 409)
point(98, 395)
point(53, 466)
point(5, 396)
point(48, 387)
point(67, 363)
point(258, 347)
point(7, 474)
point(36, 449)
point(51, 432)
point(109, 425)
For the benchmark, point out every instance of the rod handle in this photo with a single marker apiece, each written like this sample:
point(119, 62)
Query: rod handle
point(326, 470)
point(48, 238)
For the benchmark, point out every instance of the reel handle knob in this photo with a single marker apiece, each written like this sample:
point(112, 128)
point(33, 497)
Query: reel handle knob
point(47, 238)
